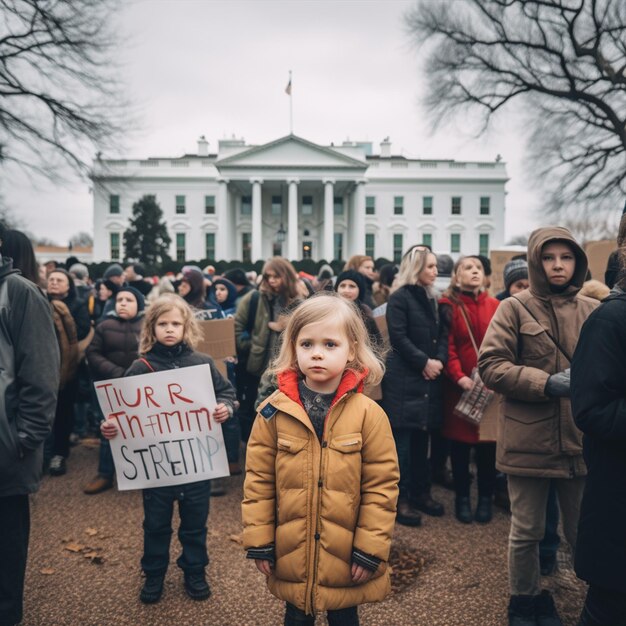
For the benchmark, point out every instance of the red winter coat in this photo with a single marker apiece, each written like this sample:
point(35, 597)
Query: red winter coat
point(462, 358)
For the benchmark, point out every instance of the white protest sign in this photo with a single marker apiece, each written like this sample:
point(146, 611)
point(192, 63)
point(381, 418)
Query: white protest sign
point(166, 432)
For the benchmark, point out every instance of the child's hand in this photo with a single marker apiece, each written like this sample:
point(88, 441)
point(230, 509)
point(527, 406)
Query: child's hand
point(221, 413)
point(108, 428)
point(360, 574)
point(264, 566)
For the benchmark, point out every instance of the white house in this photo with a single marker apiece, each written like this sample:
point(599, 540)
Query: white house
point(298, 199)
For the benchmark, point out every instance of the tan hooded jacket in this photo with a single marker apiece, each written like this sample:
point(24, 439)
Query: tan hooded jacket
point(536, 433)
point(317, 502)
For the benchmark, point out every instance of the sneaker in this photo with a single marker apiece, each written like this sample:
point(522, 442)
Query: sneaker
point(219, 486)
point(99, 484)
point(463, 510)
point(426, 504)
point(196, 586)
point(152, 589)
point(407, 515)
point(57, 466)
point(522, 611)
point(484, 512)
point(545, 611)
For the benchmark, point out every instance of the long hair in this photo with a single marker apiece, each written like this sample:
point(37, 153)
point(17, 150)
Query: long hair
point(329, 306)
point(284, 270)
point(17, 246)
point(164, 304)
point(454, 288)
point(354, 262)
point(413, 262)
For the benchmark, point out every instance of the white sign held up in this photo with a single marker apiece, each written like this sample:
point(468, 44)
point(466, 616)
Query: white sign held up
point(166, 432)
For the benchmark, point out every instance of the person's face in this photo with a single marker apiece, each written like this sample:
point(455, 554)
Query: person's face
point(367, 269)
point(559, 263)
point(104, 293)
point(58, 285)
point(118, 280)
point(170, 328)
point(348, 289)
point(274, 281)
point(519, 285)
point(126, 305)
point(130, 273)
point(184, 288)
point(470, 275)
point(43, 275)
point(427, 276)
point(221, 293)
point(322, 353)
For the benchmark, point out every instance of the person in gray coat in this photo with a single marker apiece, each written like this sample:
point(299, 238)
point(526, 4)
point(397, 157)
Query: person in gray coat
point(29, 379)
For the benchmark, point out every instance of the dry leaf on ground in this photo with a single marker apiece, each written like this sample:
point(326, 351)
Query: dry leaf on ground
point(91, 531)
point(75, 547)
point(47, 571)
point(236, 538)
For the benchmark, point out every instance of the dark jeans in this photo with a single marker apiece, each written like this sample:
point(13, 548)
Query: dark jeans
point(232, 438)
point(247, 390)
point(412, 448)
point(158, 507)
point(58, 443)
point(485, 457)
point(14, 530)
point(549, 545)
point(106, 467)
point(341, 617)
point(605, 607)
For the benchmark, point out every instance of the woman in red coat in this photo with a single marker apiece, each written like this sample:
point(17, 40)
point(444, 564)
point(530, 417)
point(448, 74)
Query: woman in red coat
point(470, 310)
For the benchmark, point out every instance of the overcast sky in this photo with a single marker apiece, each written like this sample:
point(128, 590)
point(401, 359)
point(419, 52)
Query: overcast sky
point(220, 68)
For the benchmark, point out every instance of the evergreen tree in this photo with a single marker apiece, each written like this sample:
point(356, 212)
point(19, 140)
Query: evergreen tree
point(147, 239)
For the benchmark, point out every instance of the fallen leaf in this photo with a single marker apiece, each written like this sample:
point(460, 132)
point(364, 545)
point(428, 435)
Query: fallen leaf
point(47, 571)
point(236, 538)
point(91, 555)
point(74, 547)
point(91, 531)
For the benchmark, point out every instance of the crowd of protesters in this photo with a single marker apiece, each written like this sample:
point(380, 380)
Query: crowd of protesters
point(551, 346)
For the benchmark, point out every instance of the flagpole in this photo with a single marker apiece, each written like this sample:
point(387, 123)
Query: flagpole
point(290, 106)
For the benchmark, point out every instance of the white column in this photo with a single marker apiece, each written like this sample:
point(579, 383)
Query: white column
point(358, 225)
point(292, 220)
point(257, 223)
point(224, 243)
point(329, 220)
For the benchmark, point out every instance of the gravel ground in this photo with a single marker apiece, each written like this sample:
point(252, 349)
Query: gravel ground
point(84, 556)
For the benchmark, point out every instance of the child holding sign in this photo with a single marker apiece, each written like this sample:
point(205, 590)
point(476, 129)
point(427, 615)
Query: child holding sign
point(168, 336)
point(322, 471)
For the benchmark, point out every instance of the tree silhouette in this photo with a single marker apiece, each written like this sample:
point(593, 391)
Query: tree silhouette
point(147, 239)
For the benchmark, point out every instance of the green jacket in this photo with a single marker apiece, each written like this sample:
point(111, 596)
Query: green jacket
point(253, 346)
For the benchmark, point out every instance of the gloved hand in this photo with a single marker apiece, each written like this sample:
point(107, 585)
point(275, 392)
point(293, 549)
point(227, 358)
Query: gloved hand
point(558, 385)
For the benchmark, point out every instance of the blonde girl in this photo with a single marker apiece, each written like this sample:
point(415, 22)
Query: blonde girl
point(321, 484)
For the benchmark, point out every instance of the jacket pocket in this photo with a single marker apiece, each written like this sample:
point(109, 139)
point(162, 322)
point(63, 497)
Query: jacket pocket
point(344, 464)
point(535, 343)
point(530, 427)
point(290, 461)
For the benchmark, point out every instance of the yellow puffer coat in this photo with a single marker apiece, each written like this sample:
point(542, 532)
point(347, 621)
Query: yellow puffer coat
point(316, 502)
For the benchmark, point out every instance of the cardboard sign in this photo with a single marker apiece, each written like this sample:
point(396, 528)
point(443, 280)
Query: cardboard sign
point(166, 432)
point(218, 341)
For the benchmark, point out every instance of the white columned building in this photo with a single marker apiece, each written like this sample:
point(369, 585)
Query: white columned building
point(298, 199)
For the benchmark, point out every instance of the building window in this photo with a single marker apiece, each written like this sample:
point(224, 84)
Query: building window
point(180, 246)
point(114, 204)
point(338, 205)
point(455, 242)
point(370, 239)
point(427, 205)
point(397, 247)
point(485, 205)
point(370, 205)
point(338, 246)
point(246, 205)
point(307, 205)
point(483, 244)
point(456, 205)
point(210, 246)
point(277, 205)
point(246, 247)
point(277, 249)
point(398, 205)
point(180, 205)
point(307, 249)
point(209, 205)
point(114, 240)
point(427, 240)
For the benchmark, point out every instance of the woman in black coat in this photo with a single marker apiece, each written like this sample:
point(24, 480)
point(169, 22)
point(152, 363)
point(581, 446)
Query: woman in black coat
point(412, 384)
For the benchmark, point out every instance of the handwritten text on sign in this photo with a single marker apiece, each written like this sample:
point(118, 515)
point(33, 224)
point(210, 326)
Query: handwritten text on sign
point(166, 433)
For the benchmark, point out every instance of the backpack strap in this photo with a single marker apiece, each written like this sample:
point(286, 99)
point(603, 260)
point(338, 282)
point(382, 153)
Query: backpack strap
point(147, 363)
point(254, 305)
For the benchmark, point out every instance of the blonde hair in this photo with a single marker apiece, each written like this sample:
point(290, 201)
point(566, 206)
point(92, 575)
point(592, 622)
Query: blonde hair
point(164, 304)
point(413, 262)
point(354, 262)
point(330, 306)
point(455, 287)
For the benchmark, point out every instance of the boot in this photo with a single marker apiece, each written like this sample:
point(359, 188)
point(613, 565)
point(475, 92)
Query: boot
point(483, 510)
point(152, 589)
point(99, 484)
point(545, 611)
point(522, 611)
point(196, 585)
point(426, 504)
point(219, 486)
point(407, 515)
point(463, 510)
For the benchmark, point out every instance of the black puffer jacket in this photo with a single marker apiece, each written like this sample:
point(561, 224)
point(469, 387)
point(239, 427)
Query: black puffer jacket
point(114, 347)
point(416, 334)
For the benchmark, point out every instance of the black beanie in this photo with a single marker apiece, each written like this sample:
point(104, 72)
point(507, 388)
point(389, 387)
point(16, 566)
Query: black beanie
point(355, 277)
point(237, 276)
point(141, 301)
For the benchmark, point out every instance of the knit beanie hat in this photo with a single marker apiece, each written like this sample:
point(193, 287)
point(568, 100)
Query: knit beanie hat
point(113, 270)
point(80, 271)
point(513, 271)
point(141, 301)
point(355, 277)
point(237, 276)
